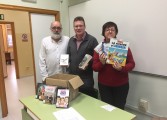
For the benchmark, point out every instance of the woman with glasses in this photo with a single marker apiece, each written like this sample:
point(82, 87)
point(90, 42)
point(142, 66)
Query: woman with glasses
point(112, 78)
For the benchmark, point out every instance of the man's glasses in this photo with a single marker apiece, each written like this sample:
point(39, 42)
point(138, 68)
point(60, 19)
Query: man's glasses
point(56, 28)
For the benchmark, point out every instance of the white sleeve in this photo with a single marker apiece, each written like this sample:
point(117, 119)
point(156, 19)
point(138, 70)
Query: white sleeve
point(42, 62)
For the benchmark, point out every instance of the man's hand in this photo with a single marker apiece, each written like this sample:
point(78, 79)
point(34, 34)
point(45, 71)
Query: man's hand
point(44, 81)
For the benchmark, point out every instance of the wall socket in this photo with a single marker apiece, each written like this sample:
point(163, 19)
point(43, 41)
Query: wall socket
point(143, 105)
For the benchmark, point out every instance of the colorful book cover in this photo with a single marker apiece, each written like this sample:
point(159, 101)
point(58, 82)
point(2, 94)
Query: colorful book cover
point(102, 47)
point(98, 48)
point(62, 99)
point(40, 91)
point(117, 52)
point(46, 93)
point(49, 94)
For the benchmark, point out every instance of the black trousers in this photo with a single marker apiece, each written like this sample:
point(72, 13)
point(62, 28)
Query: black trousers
point(115, 96)
point(89, 91)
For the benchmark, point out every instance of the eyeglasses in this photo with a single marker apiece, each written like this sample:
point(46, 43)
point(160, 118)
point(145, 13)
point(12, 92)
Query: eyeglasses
point(58, 28)
point(110, 30)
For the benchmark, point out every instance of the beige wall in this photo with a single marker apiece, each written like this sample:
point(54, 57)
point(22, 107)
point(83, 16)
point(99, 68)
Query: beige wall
point(24, 49)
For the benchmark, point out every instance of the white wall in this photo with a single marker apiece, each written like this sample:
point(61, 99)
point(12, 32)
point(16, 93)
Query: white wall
point(149, 87)
point(64, 16)
point(144, 26)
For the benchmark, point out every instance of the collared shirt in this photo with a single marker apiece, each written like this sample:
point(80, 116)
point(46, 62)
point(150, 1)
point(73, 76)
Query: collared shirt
point(76, 56)
point(78, 42)
point(49, 55)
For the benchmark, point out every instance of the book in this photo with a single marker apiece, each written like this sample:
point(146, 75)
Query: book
point(40, 91)
point(49, 94)
point(46, 93)
point(117, 52)
point(98, 48)
point(64, 60)
point(102, 48)
point(62, 98)
point(85, 61)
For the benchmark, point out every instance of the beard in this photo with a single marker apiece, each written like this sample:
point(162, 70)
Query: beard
point(56, 36)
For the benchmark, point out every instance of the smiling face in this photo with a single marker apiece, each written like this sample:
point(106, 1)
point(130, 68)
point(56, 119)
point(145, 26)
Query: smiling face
point(109, 33)
point(79, 28)
point(56, 29)
point(109, 30)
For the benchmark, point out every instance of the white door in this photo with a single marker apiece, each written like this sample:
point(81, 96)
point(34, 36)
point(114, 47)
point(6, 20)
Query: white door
point(40, 29)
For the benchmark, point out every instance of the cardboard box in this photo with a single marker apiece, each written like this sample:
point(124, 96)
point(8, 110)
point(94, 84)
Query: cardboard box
point(72, 82)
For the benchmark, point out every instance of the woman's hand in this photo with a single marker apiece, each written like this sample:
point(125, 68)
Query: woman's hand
point(102, 58)
point(117, 66)
point(120, 41)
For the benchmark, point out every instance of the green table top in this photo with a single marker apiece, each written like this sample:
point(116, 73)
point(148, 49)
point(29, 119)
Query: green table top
point(88, 107)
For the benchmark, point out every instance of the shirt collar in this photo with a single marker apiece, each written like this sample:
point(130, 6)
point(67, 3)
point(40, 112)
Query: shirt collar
point(83, 37)
point(58, 41)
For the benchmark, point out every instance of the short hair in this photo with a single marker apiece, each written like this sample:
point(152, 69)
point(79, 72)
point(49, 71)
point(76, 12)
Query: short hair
point(79, 18)
point(109, 24)
point(51, 25)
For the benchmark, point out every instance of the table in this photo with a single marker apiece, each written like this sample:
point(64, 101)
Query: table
point(88, 107)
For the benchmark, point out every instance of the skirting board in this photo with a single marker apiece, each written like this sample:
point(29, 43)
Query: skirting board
point(144, 113)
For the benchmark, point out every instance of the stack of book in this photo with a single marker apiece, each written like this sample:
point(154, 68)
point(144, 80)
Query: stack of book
point(115, 51)
point(59, 96)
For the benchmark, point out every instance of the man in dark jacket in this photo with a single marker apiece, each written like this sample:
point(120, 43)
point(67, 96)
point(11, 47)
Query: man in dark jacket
point(79, 45)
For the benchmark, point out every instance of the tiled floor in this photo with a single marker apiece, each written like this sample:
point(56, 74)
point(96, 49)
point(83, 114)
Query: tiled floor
point(15, 89)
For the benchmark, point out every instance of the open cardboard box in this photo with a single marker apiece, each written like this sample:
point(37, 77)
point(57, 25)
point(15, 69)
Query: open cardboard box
point(72, 82)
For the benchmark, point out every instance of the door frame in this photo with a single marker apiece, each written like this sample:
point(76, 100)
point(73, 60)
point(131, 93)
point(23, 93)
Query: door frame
point(14, 46)
point(2, 86)
point(2, 45)
point(29, 10)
